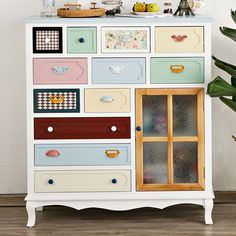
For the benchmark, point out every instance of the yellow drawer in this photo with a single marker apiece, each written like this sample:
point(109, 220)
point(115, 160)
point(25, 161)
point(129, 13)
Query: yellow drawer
point(107, 100)
point(82, 181)
point(179, 39)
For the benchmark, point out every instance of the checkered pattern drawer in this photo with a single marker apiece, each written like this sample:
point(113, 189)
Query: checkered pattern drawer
point(47, 40)
point(56, 100)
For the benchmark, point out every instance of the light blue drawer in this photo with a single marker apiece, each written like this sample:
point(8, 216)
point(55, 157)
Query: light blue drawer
point(177, 70)
point(118, 70)
point(82, 154)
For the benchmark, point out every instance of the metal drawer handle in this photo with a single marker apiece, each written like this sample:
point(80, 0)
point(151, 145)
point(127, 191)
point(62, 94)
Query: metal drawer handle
point(107, 99)
point(112, 153)
point(60, 70)
point(179, 38)
point(177, 68)
point(53, 153)
point(114, 181)
point(56, 99)
point(117, 69)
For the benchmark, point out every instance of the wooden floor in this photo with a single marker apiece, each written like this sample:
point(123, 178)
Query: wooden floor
point(179, 220)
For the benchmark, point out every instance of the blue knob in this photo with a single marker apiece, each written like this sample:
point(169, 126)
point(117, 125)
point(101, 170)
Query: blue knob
point(50, 181)
point(138, 128)
point(81, 40)
point(114, 181)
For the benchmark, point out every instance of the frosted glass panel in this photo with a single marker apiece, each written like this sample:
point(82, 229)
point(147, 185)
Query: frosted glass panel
point(185, 162)
point(154, 115)
point(185, 115)
point(155, 162)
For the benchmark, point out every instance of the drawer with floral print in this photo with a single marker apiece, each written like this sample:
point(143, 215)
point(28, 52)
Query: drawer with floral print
point(125, 39)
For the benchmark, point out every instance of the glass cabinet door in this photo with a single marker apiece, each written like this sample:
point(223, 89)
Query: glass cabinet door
point(170, 139)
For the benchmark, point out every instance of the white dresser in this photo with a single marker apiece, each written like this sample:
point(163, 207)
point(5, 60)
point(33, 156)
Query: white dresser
point(117, 114)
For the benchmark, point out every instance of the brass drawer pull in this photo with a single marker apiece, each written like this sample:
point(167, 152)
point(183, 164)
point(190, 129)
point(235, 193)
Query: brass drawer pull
point(177, 68)
point(57, 99)
point(112, 153)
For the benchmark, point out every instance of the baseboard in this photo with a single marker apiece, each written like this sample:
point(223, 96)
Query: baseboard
point(17, 200)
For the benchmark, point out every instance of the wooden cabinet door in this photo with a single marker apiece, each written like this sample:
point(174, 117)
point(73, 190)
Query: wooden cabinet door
point(170, 139)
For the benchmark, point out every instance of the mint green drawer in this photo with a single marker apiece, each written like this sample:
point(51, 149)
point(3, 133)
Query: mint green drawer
point(81, 40)
point(177, 70)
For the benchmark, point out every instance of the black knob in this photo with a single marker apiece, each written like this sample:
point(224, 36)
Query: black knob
point(50, 181)
point(81, 40)
point(114, 181)
point(138, 128)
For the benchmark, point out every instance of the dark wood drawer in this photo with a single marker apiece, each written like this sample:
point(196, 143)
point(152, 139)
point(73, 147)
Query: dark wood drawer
point(82, 128)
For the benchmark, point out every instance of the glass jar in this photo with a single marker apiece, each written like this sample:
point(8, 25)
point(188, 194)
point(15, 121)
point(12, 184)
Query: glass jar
point(48, 8)
point(112, 6)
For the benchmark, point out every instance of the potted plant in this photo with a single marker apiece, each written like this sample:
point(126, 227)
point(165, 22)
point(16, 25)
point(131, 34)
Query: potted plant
point(219, 87)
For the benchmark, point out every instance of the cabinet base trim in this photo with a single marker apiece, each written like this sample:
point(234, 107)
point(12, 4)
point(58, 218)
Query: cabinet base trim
point(118, 205)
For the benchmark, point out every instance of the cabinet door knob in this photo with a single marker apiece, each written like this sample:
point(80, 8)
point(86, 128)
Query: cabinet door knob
point(81, 40)
point(50, 181)
point(138, 128)
point(113, 128)
point(52, 153)
point(114, 181)
point(50, 129)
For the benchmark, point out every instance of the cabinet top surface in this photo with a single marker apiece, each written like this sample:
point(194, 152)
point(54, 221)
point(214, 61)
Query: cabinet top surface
point(119, 20)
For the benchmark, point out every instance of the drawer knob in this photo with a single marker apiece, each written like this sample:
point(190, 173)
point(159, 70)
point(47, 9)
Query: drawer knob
point(113, 128)
point(179, 38)
point(50, 181)
point(112, 153)
point(107, 99)
point(50, 129)
point(138, 128)
point(47, 40)
point(52, 153)
point(177, 68)
point(60, 70)
point(117, 69)
point(81, 40)
point(114, 181)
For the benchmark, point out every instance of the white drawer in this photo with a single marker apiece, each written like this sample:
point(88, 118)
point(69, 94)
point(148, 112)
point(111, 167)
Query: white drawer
point(107, 100)
point(82, 181)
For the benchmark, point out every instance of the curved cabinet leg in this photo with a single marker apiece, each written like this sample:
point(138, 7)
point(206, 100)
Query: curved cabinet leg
point(31, 214)
point(208, 211)
point(39, 208)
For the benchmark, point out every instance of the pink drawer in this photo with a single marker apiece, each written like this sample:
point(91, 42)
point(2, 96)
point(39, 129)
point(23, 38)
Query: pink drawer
point(60, 71)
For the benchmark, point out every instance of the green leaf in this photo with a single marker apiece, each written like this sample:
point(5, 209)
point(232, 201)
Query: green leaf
point(228, 32)
point(233, 83)
point(219, 87)
point(233, 15)
point(230, 103)
point(230, 69)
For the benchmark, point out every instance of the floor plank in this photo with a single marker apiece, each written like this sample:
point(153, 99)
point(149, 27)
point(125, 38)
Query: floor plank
point(184, 220)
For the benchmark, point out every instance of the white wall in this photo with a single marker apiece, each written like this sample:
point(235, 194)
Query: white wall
point(12, 96)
